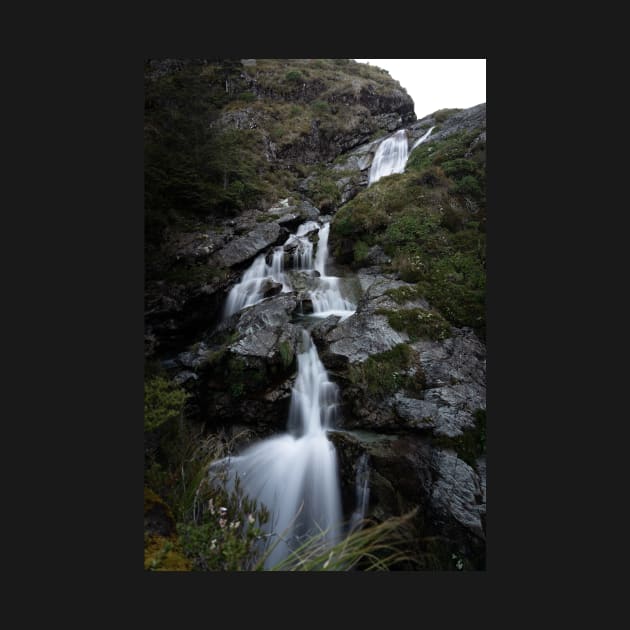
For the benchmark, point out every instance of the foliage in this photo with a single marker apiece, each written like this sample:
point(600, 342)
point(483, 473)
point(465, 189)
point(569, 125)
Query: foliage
point(226, 531)
point(430, 220)
point(418, 323)
point(295, 76)
point(377, 547)
point(163, 401)
point(384, 373)
point(360, 251)
point(322, 189)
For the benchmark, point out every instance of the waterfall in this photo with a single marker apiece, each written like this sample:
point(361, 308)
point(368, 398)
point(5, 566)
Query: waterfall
point(362, 489)
point(326, 297)
point(390, 157)
point(419, 141)
point(295, 474)
point(251, 289)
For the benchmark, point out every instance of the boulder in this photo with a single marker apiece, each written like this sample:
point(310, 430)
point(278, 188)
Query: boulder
point(244, 248)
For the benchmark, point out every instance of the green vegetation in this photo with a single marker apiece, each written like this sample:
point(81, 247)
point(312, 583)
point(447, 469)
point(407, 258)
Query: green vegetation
point(404, 294)
point(374, 548)
point(443, 114)
point(295, 76)
point(384, 373)
point(211, 525)
point(286, 353)
point(430, 220)
point(163, 401)
point(418, 323)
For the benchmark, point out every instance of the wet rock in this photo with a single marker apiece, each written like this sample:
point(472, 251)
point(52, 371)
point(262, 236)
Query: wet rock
point(455, 376)
point(244, 248)
point(377, 256)
point(457, 492)
point(182, 377)
point(303, 280)
point(416, 413)
point(367, 332)
point(308, 212)
point(270, 288)
point(270, 313)
point(291, 221)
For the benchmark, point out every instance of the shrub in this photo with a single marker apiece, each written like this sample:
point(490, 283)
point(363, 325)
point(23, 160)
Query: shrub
point(226, 532)
point(163, 401)
point(320, 107)
point(468, 186)
point(295, 76)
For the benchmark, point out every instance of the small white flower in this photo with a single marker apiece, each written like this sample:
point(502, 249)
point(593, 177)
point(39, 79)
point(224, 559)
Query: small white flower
point(251, 519)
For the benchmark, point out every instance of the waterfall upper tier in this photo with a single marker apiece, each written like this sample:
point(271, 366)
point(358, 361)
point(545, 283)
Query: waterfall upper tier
point(390, 157)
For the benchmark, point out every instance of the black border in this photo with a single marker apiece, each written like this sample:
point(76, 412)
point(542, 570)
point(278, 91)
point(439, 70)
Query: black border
point(97, 321)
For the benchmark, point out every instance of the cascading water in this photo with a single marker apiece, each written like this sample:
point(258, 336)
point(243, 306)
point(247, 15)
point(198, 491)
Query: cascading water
point(295, 474)
point(362, 489)
point(419, 141)
point(327, 298)
point(250, 290)
point(390, 157)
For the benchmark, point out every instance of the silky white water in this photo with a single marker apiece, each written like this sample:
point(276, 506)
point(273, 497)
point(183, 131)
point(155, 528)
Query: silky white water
point(295, 474)
point(419, 141)
point(326, 297)
point(250, 290)
point(362, 490)
point(390, 157)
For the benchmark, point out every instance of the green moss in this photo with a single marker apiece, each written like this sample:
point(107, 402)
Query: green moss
point(286, 353)
point(418, 323)
point(164, 554)
point(384, 373)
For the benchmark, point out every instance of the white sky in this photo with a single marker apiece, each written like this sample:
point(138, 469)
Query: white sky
point(438, 83)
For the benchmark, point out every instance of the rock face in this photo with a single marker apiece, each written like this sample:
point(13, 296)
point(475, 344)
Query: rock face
point(242, 249)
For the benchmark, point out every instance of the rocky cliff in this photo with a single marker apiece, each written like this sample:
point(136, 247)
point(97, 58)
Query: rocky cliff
point(238, 154)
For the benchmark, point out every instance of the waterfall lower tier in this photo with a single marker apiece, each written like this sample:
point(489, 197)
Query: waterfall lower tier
point(295, 475)
point(362, 490)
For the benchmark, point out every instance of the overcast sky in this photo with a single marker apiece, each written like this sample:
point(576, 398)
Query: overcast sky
point(438, 83)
